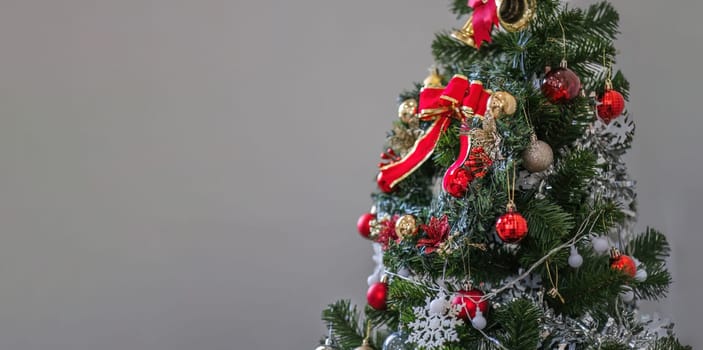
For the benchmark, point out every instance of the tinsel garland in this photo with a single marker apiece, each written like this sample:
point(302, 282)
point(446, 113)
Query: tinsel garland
point(638, 331)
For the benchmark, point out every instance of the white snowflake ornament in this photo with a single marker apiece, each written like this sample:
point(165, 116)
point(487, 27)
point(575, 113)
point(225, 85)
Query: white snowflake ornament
point(432, 329)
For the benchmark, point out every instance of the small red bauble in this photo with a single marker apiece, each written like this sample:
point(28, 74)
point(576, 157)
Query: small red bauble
point(561, 85)
point(457, 182)
point(511, 227)
point(376, 295)
point(363, 224)
point(610, 106)
point(468, 301)
point(623, 263)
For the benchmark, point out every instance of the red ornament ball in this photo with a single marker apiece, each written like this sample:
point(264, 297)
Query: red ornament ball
point(610, 106)
point(561, 85)
point(468, 301)
point(376, 295)
point(624, 263)
point(363, 224)
point(457, 182)
point(511, 227)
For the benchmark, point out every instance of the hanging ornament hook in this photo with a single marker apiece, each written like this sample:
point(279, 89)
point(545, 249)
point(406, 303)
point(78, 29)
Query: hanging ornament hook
point(563, 45)
point(511, 189)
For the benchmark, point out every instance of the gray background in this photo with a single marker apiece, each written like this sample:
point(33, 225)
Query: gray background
point(185, 175)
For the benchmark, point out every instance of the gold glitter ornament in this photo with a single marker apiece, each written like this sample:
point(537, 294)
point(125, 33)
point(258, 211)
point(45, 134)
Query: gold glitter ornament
point(538, 156)
point(487, 137)
point(434, 80)
point(404, 136)
point(376, 225)
point(407, 111)
point(406, 226)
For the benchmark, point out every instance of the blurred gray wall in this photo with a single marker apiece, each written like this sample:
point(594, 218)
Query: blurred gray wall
point(180, 175)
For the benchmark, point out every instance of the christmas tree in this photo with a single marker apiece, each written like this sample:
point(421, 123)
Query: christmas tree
point(504, 214)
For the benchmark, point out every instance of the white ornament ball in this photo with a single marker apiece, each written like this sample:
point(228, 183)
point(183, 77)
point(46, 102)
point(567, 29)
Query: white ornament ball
point(641, 275)
point(575, 259)
point(600, 244)
point(437, 306)
point(479, 322)
point(627, 295)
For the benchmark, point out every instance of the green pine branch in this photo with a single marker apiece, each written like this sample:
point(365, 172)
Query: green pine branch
point(447, 148)
point(670, 343)
point(520, 323)
point(548, 227)
point(344, 319)
point(612, 345)
point(570, 178)
point(650, 247)
point(590, 288)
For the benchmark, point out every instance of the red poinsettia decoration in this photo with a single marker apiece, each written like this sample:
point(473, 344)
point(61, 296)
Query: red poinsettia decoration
point(386, 231)
point(437, 232)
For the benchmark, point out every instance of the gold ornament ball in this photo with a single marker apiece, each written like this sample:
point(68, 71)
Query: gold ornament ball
point(407, 110)
point(502, 103)
point(406, 226)
point(537, 156)
point(434, 80)
point(365, 346)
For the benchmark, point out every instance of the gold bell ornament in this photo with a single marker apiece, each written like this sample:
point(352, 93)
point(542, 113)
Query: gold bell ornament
point(513, 15)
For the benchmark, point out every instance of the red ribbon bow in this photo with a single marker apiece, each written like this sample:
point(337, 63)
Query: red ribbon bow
point(460, 100)
point(484, 17)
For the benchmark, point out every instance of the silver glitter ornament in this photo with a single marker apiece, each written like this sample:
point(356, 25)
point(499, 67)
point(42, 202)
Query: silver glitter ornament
point(328, 342)
point(327, 346)
point(397, 341)
point(538, 156)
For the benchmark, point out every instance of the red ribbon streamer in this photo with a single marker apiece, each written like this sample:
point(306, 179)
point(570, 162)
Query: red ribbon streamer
point(485, 15)
point(458, 100)
point(477, 100)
